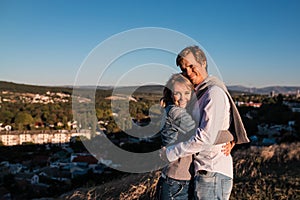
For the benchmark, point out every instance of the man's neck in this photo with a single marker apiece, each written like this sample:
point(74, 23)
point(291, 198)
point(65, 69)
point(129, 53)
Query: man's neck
point(203, 81)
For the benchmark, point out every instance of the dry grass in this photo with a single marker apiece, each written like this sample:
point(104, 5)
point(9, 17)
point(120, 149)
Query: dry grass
point(267, 173)
point(134, 186)
point(260, 173)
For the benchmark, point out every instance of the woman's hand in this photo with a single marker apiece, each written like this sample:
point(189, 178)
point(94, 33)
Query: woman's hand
point(228, 147)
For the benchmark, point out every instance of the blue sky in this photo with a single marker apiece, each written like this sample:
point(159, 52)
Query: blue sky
point(253, 43)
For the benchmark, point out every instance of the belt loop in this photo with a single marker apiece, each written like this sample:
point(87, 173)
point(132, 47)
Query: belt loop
point(201, 172)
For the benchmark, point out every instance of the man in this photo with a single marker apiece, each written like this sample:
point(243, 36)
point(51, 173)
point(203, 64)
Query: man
point(214, 111)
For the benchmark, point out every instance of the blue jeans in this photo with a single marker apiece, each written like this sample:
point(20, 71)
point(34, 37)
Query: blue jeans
point(212, 186)
point(168, 188)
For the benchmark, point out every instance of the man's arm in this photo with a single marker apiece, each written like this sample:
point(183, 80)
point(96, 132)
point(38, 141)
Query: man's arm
point(228, 147)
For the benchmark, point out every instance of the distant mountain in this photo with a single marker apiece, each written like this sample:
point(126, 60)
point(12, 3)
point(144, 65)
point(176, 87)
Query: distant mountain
point(150, 89)
point(236, 89)
point(157, 89)
point(265, 90)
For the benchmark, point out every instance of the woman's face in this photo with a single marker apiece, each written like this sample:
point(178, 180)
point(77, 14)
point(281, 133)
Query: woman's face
point(181, 94)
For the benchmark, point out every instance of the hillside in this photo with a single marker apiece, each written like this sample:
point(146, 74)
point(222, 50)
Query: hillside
point(260, 173)
point(156, 89)
point(24, 88)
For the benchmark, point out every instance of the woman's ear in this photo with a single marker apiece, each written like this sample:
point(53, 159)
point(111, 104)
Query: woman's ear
point(176, 103)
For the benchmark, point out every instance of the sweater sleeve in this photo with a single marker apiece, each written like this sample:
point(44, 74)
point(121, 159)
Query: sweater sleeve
point(178, 122)
point(183, 121)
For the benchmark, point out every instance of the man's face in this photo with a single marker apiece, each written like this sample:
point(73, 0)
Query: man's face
point(193, 70)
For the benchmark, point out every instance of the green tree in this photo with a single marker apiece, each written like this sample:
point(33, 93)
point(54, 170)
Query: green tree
point(6, 116)
point(45, 116)
point(274, 114)
point(23, 119)
point(52, 118)
point(297, 124)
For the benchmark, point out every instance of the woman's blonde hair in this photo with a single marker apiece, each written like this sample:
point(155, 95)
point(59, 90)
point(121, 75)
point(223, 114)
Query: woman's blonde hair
point(167, 98)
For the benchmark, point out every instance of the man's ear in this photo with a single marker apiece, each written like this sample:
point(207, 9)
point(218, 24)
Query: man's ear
point(203, 64)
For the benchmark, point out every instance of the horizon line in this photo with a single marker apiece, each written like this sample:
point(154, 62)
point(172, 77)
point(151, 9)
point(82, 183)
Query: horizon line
point(107, 85)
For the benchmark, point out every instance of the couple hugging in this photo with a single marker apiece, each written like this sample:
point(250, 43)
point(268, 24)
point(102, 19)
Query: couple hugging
point(199, 112)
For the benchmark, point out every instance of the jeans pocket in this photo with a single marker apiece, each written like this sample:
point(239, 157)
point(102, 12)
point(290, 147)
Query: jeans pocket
point(226, 185)
point(205, 186)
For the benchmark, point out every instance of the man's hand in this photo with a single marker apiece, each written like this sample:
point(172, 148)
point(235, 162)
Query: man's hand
point(228, 147)
point(163, 154)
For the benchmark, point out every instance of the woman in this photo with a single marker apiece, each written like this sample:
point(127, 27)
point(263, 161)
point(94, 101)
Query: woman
point(174, 182)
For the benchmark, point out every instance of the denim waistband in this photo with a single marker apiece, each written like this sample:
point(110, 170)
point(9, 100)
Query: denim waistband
point(172, 179)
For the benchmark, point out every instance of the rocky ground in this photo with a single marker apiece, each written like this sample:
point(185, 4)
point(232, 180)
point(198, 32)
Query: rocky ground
point(260, 173)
